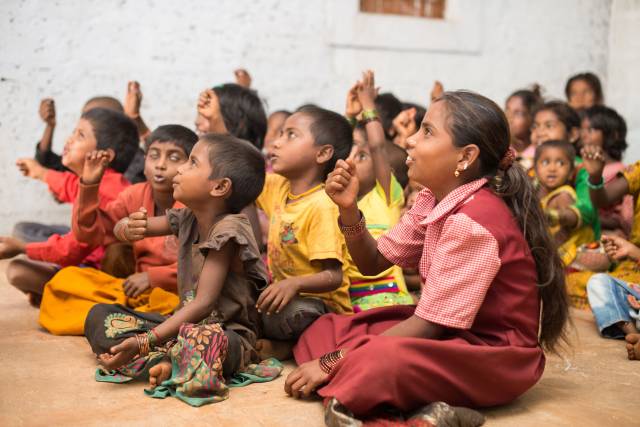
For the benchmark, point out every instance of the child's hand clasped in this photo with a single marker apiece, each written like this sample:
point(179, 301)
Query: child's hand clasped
point(243, 78)
point(136, 227)
point(277, 296)
point(342, 184)
point(10, 247)
point(95, 163)
point(205, 106)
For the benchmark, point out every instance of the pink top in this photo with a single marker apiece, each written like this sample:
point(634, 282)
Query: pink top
point(473, 259)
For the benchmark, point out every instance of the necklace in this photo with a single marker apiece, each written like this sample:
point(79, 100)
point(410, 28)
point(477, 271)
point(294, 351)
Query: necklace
point(306, 193)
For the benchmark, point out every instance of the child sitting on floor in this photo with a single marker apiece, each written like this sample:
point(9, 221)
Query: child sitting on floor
point(603, 127)
point(553, 164)
point(213, 334)
point(306, 251)
point(72, 292)
point(100, 129)
point(486, 293)
point(380, 198)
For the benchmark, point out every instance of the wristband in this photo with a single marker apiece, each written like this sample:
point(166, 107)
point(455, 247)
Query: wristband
point(330, 360)
point(355, 230)
point(595, 186)
point(353, 122)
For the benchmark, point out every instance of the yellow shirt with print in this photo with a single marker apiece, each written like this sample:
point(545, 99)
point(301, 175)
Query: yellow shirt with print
point(302, 233)
point(380, 218)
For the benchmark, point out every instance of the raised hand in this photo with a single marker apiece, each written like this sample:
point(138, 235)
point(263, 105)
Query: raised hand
point(405, 126)
point(367, 91)
point(342, 184)
point(437, 90)
point(47, 111)
point(136, 284)
point(10, 247)
point(205, 106)
point(353, 106)
point(132, 100)
point(593, 161)
point(243, 78)
point(31, 168)
point(95, 163)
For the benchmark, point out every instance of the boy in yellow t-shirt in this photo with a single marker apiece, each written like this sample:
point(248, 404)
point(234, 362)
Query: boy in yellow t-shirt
point(306, 250)
point(380, 199)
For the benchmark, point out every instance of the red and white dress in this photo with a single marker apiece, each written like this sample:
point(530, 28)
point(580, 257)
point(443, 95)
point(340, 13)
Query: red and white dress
point(480, 283)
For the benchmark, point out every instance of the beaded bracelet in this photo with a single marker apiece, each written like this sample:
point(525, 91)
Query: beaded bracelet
point(153, 337)
point(355, 230)
point(353, 122)
point(370, 115)
point(595, 186)
point(330, 360)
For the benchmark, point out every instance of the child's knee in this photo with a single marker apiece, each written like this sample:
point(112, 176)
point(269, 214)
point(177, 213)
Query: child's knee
point(17, 272)
point(297, 316)
point(599, 289)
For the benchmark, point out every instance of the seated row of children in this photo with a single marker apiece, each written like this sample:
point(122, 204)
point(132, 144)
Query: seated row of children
point(197, 311)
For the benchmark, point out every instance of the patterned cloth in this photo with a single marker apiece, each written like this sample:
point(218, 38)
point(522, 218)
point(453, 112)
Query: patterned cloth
point(451, 246)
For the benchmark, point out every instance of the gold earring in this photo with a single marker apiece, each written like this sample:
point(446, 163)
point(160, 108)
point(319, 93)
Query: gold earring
point(456, 173)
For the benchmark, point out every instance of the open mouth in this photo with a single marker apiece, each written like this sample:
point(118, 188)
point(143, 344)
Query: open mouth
point(159, 179)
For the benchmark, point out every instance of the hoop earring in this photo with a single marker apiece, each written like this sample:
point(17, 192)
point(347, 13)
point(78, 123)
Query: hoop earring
point(456, 173)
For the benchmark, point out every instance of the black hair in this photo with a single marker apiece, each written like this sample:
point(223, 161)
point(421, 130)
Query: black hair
point(307, 105)
point(242, 112)
point(330, 128)
point(388, 107)
point(563, 112)
point(284, 112)
point(420, 112)
point(531, 98)
point(475, 119)
point(589, 78)
point(613, 128)
point(241, 162)
point(115, 131)
point(565, 146)
point(181, 136)
point(398, 161)
point(108, 102)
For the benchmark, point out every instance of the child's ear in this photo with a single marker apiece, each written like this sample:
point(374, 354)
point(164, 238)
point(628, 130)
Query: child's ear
point(468, 155)
point(574, 134)
point(221, 188)
point(111, 154)
point(324, 154)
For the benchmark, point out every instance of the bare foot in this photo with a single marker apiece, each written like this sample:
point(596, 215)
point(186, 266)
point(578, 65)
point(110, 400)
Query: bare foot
point(159, 373)
point(633, 346)
point(281, 350)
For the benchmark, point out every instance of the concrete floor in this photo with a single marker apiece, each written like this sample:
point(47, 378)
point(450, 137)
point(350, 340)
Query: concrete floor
point(48, 380)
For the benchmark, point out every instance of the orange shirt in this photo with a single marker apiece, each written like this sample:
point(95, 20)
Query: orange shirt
point(93, 224)
point(66, 250)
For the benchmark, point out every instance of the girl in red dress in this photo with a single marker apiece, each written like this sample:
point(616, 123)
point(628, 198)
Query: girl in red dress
point(490, 303)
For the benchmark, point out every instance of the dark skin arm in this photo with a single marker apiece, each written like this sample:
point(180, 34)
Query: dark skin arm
point(137, 226)
point(568, 217)
point(367, 93)
point(210, 283)
point(279, 294)
point(342, 187)
point(612, 194)
point(48, 115)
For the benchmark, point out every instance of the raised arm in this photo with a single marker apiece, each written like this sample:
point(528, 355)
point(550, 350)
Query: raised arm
point(602, 196)
point(342, 187)
point(367, 92)
point(132, 103)
point(48, 115)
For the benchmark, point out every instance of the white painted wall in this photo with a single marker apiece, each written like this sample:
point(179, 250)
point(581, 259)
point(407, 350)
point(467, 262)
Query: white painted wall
point(297, 51)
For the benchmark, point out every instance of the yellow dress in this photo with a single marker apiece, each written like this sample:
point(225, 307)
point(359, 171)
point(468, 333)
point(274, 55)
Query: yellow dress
point(582, 234)
point(628, 270)
point(73, 291)
point(387, 288)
